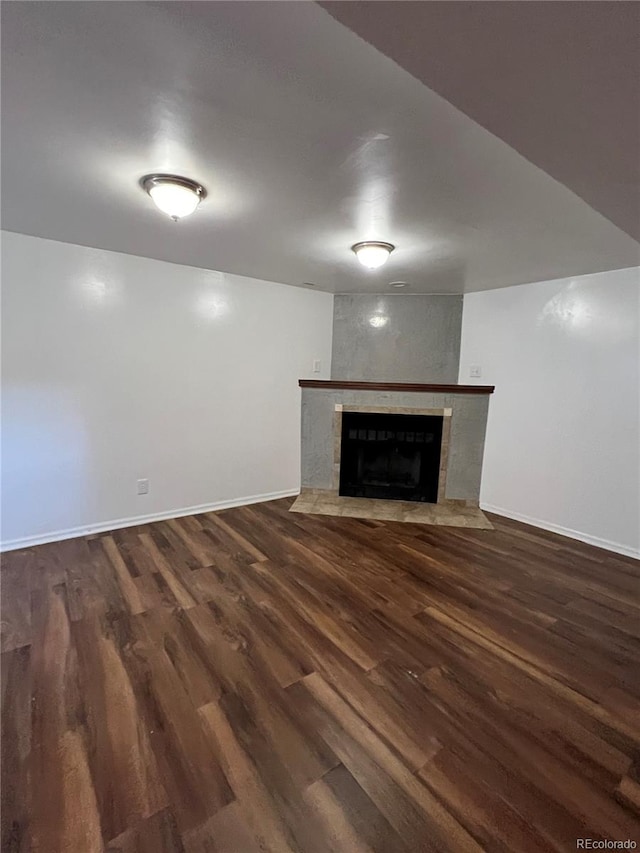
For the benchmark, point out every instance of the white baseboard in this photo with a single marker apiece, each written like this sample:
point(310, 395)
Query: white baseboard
point(116, 524)
point(625, 550)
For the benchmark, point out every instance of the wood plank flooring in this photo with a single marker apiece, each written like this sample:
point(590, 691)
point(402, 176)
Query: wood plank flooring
point(258, 680)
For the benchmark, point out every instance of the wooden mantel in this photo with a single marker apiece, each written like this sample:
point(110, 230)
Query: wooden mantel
point(396, 386)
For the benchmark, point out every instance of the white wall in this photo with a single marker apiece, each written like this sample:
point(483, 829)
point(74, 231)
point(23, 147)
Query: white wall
point(563, 437)
point(117, 367)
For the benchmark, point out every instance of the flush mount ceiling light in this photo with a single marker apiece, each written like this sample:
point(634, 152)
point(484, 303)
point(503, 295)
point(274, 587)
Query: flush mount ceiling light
point(398, 284)
point(372, 253)
point(173, 195)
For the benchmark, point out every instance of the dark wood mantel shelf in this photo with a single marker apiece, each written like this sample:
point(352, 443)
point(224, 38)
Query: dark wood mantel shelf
point(396, 386)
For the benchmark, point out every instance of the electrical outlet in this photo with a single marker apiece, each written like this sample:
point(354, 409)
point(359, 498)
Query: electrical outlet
point(317, 365)
point(475, 371)
point(143, 487)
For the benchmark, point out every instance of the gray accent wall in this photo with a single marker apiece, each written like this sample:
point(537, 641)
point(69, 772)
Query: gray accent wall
point(396, 337)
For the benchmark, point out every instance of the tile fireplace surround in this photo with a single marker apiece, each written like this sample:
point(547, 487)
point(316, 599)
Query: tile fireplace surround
point(464, 409)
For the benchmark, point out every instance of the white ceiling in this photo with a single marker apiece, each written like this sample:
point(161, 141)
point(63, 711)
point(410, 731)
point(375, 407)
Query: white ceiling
point(307, 139)
point(559, 82)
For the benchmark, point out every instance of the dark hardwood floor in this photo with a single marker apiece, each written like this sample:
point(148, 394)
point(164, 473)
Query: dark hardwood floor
point(258, 680)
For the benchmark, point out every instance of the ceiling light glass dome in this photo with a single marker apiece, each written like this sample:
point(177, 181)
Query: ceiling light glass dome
point(372, 253)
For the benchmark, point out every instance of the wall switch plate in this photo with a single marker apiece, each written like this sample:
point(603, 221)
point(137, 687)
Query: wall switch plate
point(143, 487)
point(475, 371)
point(317, 365)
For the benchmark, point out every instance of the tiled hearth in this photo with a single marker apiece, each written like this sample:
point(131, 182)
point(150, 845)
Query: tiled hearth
point(464, 412)
point(449, 514)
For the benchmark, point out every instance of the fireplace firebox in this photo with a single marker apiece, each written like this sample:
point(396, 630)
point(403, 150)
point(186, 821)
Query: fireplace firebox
point(390, 456)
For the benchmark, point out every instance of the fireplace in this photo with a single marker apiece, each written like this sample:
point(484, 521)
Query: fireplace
point(390, 456)
point(393, 451)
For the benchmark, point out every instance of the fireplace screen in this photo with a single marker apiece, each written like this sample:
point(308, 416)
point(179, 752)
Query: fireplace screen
point(395, 457)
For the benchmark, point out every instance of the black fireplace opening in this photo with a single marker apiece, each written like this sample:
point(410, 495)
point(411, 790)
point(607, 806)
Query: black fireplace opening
point(395, 457)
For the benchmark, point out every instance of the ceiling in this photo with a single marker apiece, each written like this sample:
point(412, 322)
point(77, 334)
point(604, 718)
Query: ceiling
point(306, 137)
point(559, 81)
